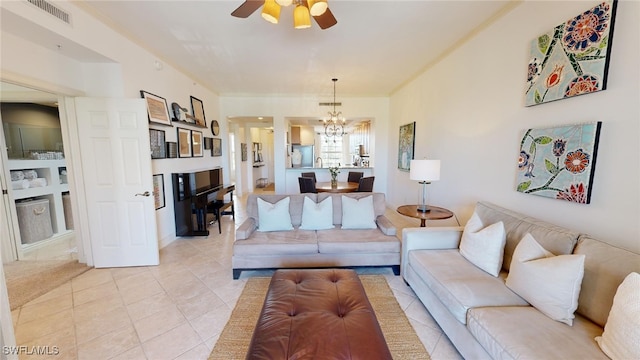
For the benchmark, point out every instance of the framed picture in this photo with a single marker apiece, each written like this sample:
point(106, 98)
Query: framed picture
point(406, 145)
point(184, 142)
point(158, 191)
point(243, 151)
point(158, 145)
point(198, 111)
point(196, 143)
point(157, 108)
point(208, 142)
point(559, 162)
point(172, 149)
point(216, 149)
point(572, 58)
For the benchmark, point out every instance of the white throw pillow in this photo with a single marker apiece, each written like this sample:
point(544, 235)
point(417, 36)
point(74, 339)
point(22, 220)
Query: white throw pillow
point(622, 330)
point(274, 217)
point(358, 213)
point(483, 246)
point(548, 282)
point(317, 216)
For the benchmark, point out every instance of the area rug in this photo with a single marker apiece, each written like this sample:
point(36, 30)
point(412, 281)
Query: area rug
point(27, 280)
point(402, 340)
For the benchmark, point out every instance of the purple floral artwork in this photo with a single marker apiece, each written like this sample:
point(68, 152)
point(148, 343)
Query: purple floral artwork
point(573, 58)
point(559, 162)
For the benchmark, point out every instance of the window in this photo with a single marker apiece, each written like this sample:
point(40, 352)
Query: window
point(331, 151)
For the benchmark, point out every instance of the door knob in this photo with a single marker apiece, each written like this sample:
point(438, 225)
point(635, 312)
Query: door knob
point(146, 193)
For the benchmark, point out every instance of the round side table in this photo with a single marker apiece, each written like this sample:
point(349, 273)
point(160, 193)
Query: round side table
point(435, 213)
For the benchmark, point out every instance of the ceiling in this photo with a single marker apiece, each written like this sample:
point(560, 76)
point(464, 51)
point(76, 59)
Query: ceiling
point(376, 47)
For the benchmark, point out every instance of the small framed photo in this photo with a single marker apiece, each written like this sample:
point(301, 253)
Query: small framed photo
point(184, 142)
point(172, 149)
point(216, 149)
point(158, 145)
point(196, 143)
point(158, 191)
point(198, 111)
point(208, 142)
point(157, 108)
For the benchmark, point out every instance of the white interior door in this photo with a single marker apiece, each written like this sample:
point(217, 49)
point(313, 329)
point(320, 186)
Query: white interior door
point(116, 169)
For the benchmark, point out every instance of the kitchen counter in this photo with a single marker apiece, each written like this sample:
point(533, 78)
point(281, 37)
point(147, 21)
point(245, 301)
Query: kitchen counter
point(327, 168)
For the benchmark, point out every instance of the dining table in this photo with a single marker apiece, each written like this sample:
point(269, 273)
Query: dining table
point(340, 187)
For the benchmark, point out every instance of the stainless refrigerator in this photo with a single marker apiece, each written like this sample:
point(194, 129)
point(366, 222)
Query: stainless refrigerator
point(307, 152)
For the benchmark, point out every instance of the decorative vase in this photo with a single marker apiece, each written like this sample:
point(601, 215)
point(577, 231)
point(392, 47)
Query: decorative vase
point(334, 183)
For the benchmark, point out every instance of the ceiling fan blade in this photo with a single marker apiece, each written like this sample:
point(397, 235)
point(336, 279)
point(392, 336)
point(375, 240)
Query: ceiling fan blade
point(247, 8)
point(326, 20)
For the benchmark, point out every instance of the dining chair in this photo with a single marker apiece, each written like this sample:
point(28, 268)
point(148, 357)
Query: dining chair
point(307, 185)
point(309, 175)
point(355, 176)
point(366, 184)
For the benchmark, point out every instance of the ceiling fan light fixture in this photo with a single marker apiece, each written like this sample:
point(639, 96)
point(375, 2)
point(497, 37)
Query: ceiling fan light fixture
point(284, 2)
point(271, 11)
point(301, 18)
point(317, 7)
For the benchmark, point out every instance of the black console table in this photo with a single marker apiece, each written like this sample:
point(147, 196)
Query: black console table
point(191, 205)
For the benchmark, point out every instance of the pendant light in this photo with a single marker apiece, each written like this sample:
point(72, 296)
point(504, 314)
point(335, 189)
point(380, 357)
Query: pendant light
point(271, 11)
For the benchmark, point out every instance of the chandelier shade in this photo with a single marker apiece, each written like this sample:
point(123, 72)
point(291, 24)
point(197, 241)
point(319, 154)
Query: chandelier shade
point(317, 7)
point(271, 11)
point(301, 18)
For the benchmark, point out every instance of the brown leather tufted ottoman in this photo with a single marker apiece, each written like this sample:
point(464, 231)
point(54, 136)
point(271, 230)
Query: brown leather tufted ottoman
point(317, 314)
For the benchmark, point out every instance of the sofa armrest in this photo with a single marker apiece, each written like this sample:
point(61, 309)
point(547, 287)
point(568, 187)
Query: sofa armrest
point(429, 238)
point(246, 229)
point(386, 226)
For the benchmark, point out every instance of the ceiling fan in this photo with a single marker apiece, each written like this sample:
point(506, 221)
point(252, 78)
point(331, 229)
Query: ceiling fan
point(302, 11)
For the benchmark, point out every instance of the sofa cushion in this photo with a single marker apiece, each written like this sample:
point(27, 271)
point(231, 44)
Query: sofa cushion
point(295, 204)
point(523, 332)
point(368, 241)
point(553, 238)
point(550, 283)
point(379, 203)
point(605, 267)
point(292, 242)
point(621, 336)
point(358, 213)
point(483, 246)
point(274, 216)
point(317, 216)
point(459, 284)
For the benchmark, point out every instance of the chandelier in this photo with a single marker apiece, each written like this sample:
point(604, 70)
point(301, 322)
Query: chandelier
point(302, 12)
point(334, 125)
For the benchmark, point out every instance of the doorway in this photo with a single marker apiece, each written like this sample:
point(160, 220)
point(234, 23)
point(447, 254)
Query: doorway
point(37, 195)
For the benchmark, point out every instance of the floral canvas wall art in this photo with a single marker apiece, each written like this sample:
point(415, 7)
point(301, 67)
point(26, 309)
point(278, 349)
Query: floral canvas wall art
point(573, 58)
point(559, 162)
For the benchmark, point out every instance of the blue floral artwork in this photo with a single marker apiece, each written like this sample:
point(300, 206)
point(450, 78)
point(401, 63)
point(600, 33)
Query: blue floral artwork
point(559, 162)
point(573, 58)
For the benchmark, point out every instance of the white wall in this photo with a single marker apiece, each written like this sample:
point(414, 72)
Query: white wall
point(97, 61)
point(469, 113)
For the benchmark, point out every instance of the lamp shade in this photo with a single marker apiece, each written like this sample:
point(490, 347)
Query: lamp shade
point(317, 7)
point(424, 170)
point(284, 2)
point(271, 11)
point(301, 18)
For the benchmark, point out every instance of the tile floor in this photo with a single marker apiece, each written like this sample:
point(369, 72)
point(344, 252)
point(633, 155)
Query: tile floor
point(175, 310)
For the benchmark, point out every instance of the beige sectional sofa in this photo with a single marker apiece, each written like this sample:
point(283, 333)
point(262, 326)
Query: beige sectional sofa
point(299, 248)
point(483, 318)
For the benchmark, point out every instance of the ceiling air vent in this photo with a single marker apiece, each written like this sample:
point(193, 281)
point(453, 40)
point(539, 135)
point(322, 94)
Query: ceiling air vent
point(52, 9)
point(330, 104)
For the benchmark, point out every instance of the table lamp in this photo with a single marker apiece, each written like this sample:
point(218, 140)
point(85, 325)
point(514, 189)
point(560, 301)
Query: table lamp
point(424, 171)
